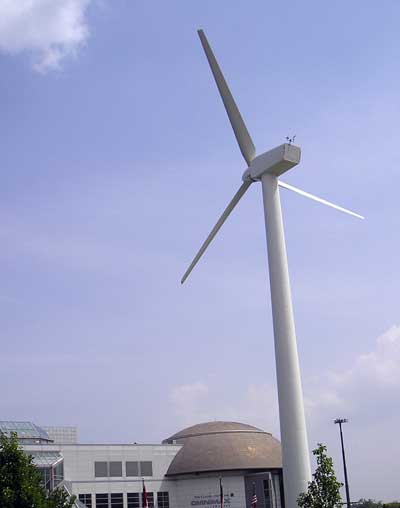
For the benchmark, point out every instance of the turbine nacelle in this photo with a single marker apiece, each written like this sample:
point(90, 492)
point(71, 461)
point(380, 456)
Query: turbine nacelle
point(275, 162)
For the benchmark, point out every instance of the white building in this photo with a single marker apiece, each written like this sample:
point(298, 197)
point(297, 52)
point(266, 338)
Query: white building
point(182, 472)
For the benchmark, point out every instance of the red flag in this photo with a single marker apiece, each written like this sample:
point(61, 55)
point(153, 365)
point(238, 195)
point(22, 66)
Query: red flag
point(145, 503)
point(221, 493)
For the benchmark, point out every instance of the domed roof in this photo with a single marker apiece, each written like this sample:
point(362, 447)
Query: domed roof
point(224, 446)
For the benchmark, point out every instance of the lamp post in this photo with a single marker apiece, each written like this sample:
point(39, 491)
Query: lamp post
point(346, 482)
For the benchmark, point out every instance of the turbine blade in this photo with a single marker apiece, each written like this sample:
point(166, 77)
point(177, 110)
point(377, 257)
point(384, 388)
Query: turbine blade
point(316, 198)
point(243, 138)
point(235, 200)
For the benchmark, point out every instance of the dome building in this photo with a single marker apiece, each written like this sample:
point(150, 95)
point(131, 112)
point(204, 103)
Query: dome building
point(184, 471)
point(224, 446)
point(247, 459)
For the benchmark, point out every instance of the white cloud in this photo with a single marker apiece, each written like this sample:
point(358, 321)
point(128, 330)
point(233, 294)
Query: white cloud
point(50, 30)
point(371, 382)
point(380, 367)
point(367, 393)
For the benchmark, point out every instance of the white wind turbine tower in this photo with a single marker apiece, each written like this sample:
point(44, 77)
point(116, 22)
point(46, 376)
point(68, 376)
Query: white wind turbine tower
point(266, 168)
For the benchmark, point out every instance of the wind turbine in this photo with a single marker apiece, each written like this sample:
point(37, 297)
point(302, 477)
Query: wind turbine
point(266, 168)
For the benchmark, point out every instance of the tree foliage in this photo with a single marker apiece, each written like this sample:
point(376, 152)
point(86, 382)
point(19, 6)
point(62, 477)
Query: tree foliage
point(323, 490)
point(58, 498)
point(21, 482)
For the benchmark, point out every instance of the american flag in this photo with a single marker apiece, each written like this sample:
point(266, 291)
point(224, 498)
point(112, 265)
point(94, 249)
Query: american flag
point(254, 497)
point(221, 493)
point(145, 503)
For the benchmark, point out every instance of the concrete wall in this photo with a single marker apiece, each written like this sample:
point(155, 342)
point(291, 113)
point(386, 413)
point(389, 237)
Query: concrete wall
point(79, 472)
point(202, 491)
point(79, 467)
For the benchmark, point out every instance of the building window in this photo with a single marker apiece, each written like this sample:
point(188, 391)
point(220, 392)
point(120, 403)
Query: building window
point(162, 500)
point(150, 500)
point(101, 500)
point(146, 468)
point(269, 496)
point(58, 473)
point(46, 473)
point(117, 500)
point(86, 499)
point(115, 468)
point(132, 468)
point(133, 500)
point(100, 469)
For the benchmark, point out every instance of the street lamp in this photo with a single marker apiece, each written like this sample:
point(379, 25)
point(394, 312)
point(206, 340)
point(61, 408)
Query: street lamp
point(346, 482)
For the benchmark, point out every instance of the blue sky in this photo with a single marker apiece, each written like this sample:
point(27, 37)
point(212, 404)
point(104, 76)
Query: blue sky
point(117, 158)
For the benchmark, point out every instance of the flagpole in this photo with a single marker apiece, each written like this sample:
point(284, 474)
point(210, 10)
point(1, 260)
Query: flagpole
point(221, 493)
point(145, 503)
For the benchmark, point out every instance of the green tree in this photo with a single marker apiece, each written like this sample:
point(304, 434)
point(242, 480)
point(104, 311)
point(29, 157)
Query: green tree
point(323, 490)
point(58, 498)
point(20, 481)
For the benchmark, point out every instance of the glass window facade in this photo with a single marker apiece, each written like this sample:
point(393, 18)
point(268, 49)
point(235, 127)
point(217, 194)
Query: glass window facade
point(45, 473)
point(146, 468)
point(100, 469)
point(58, 473)
point(27, 432)
point(162, 500)
point(150, 500)
point(86, 499)
point(102, 501)
point(268, 488)
point(45, 458)
point(132, 468)
point(115, 468)
point(117, 500)
point(270, 496)
point(51, 467)
point(133, 499)
point(62, 434)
